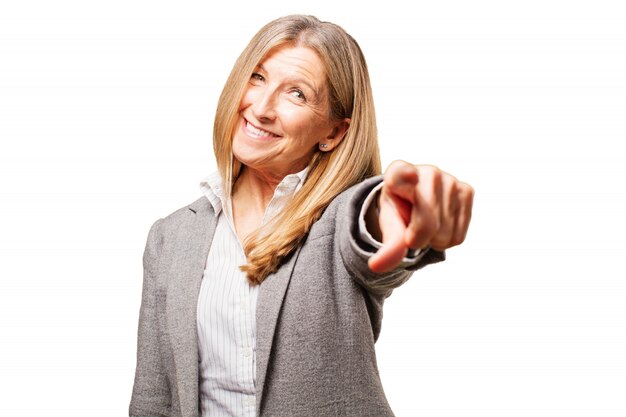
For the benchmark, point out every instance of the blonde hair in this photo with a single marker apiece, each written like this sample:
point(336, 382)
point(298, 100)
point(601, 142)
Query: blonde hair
point(356, 158)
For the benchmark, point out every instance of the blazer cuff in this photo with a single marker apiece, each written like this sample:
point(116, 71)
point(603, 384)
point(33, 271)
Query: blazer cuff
point(412, 256)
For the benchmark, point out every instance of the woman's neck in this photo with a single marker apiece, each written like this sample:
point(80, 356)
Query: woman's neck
point(254, 189)
point(252, 193)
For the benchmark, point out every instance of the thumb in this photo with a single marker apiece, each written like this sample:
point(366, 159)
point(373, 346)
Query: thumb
point(393, 228)
point(388, 257)
point(397, 200)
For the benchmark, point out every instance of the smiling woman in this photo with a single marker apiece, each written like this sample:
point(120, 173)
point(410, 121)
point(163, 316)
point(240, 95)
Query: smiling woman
point(264, 296)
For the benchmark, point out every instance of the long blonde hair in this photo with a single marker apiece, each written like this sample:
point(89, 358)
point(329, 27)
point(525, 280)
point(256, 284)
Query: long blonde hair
point(357, 156)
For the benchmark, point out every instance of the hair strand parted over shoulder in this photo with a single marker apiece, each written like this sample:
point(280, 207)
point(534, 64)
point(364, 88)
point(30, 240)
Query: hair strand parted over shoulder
point(356, 158)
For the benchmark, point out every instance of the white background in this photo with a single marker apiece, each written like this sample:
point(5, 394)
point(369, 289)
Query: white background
point(106, 115)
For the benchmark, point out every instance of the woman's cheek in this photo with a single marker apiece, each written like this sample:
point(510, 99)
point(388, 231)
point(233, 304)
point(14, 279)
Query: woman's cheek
point(292, 119)
point(247, 99)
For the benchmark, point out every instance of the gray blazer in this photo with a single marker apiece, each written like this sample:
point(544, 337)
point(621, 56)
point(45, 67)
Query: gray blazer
point(318, 318)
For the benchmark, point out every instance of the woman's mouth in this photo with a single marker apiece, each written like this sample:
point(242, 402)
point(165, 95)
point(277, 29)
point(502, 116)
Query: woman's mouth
point(255, 132)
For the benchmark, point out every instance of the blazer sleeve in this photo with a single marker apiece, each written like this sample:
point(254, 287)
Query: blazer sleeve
point(151, 394)
point(355, 251)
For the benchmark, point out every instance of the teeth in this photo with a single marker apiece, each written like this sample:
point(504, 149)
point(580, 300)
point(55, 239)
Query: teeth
point(257, 132)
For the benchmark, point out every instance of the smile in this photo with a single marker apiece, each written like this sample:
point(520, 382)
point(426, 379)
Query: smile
point(255, 132)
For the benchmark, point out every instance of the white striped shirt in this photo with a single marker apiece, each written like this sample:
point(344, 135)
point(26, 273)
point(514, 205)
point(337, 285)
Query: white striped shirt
point(226, 308)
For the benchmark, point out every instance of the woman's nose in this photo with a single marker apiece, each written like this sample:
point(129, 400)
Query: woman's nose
point(264, 105)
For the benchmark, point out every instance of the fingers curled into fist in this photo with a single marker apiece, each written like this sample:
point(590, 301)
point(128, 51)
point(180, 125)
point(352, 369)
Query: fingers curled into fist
point(420, 206)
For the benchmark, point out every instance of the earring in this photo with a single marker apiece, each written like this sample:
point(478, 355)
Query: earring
point(323, 145)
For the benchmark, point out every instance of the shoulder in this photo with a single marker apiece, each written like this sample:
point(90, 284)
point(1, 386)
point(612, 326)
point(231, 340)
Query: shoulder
point(179, 217)
point(201, 205)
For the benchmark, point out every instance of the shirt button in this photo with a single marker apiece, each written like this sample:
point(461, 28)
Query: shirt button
point(247, 352)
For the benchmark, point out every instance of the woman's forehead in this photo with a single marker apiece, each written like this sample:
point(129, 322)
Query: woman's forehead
point(298, 57)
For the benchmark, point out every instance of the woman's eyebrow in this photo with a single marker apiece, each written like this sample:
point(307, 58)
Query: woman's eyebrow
point(294, 79)
point(299, 80)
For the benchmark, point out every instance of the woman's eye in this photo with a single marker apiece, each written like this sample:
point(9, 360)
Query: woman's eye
point(257, 76)
point(298, 94)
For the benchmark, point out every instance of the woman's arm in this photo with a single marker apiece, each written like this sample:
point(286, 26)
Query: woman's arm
point(419, 207)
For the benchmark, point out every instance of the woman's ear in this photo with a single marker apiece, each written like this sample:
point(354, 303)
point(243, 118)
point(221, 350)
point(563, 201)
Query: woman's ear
point(336, 135)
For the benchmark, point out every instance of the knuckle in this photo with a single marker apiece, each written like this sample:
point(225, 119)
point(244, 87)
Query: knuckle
point(457, 240)
point(440, 244)
point(437, 175)
point(468, 191)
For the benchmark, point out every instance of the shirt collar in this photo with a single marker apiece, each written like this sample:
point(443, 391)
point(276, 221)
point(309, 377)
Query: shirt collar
point(212, 187)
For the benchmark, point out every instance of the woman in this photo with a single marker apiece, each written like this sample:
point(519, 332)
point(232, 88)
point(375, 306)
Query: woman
point(264, 297)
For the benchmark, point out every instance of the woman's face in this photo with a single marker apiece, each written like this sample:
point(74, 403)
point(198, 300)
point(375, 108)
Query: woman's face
point(284, 114)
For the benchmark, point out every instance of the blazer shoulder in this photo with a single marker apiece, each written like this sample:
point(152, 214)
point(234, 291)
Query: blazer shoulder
point(178, 216)
point(202, 204)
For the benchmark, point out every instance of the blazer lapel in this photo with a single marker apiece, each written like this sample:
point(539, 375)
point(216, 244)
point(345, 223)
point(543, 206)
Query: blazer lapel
point(271, 295)
point(189, 259)
point(188, 262)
